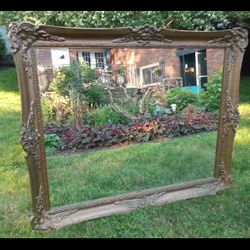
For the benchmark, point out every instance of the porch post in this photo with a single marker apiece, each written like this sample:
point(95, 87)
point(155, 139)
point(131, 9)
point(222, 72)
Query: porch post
point(162, 68)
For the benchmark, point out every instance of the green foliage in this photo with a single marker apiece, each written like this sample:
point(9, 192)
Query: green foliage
point(132, 108)
point(95, 95)
point(75, 77)
point(181, 97)
point(210, 97)
point(47, 111)
point(51, 142)
point(200, 20)
point(79, 78)
point(120, 71)
point(239, 18)
point(55, 108)
point(105, 116)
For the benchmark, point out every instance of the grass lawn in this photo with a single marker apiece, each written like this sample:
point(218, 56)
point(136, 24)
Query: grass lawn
point(106, 172)
point(224, 215)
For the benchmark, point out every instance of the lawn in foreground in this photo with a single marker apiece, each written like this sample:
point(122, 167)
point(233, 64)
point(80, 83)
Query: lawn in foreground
point(223, 215)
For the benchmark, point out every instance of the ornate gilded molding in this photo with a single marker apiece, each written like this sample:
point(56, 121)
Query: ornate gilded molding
point(141, 202)
point(222, 170)
point(144, 35)
point(48, 222)
point(38, 215)
point(231, 118)
point(30, 136)
point(23, 35)
point(215, 186)
point(237, 42)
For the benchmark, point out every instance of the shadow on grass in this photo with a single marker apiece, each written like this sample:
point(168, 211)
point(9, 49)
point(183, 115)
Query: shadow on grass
point(8, 81)
point(245, 90)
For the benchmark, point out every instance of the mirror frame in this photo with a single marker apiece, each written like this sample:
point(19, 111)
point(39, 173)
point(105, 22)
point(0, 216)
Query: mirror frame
point(25, 37)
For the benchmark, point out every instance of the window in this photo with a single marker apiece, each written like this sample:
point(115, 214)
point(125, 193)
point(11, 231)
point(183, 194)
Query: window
point(99, 60)
point(59, 57)
point(95, 59)
point(147, 75)
point(86, 57)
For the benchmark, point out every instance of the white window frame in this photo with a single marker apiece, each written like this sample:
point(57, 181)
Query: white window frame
point(198, 77)
point(92, 56)
point(141, 74)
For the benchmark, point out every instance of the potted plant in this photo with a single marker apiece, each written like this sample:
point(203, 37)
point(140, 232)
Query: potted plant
point(120, 75)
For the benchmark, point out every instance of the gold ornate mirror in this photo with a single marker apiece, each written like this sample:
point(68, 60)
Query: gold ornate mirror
point(119, 119)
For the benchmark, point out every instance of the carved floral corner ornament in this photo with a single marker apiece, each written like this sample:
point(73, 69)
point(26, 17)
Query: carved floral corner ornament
point(237, 42)
point(144, 35)
point(41, 220)
point(23, 35)
point(30, 136)
point(231, 117)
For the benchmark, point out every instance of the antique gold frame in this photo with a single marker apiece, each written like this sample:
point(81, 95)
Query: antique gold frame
point(25, 37)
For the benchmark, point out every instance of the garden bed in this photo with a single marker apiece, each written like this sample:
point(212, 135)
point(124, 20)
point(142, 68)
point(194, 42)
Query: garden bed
point(73, 139)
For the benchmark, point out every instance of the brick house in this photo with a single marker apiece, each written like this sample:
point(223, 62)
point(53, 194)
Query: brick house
point(190, 66)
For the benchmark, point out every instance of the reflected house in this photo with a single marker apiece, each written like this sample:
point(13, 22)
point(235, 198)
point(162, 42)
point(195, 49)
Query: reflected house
point(186, 67)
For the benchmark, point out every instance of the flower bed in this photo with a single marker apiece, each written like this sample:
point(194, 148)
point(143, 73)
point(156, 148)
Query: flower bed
point(154, 128)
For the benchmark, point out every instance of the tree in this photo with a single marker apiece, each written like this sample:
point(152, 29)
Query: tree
point(2, 46)
point(200, 20)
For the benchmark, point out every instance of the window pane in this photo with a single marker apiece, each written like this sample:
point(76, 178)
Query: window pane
point(86, 57)
point(146, 76)
point(99, 60)
point(149, 76)
point(155, 77)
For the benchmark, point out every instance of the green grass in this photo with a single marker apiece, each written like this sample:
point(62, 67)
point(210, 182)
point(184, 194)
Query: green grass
point(224, 215)
point(102, 173)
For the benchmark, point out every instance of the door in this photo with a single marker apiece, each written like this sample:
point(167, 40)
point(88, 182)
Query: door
point(201, 67)
point(188, 72)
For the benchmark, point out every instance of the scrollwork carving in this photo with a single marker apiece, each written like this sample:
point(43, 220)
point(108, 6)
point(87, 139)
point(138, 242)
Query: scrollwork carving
point(38, 214)
point(23, 35)
point(222, 170)
point(141, 202)
point(231, 118)
point(237, 42)
point(144, 35)
point(30, 136)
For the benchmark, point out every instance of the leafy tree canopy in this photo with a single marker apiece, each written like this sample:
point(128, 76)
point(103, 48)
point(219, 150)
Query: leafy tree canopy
point(198, 20)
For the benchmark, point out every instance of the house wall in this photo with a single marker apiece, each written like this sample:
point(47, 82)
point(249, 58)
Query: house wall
point(44, 57)
point(45, 71)
point(72, 54)
point(144, 57)
point(215, 59)
point(140, 58)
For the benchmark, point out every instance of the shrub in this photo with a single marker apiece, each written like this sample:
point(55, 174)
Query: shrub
point(77, 77)
point(181, 97)
point(51, 142)
point(132, 108)
point(55, 108)
point(47, 111)
point(105, 116)
point(210, 97)
point(95, 95)
point(119, 70)
point(78, 82)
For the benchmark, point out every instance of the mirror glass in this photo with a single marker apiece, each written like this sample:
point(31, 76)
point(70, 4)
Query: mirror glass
point(118, 120)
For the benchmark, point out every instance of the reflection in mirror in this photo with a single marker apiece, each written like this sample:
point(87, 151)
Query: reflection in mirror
point(122, 119)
